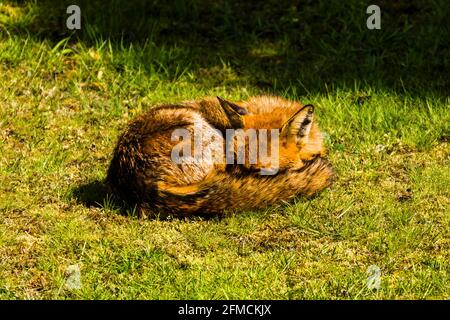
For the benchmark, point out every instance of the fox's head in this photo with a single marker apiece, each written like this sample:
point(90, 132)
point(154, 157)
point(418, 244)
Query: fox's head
point(299, 138)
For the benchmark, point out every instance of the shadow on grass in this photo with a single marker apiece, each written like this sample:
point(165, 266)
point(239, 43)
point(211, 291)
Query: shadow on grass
point(91, 194)
point(304, 45)
point(96, 194)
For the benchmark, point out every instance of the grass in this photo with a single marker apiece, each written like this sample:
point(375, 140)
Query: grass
point(382, 98)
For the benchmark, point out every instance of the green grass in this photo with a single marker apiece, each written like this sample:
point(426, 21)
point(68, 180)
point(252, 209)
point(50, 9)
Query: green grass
point(382, 98)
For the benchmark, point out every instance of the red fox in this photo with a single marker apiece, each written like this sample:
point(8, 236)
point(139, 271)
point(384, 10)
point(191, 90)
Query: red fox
point(144, 172)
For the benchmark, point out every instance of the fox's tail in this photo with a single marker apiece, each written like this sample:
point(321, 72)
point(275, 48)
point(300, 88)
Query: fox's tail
point(223, 191)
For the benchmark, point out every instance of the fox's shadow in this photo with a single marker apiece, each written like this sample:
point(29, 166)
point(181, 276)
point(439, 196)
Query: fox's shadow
point(91, 194)
point(96, 194)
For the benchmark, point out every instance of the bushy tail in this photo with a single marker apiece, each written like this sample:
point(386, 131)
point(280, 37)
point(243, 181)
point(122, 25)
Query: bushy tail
point(223, 191)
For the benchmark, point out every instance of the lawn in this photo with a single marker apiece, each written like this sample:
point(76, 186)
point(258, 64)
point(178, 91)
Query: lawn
point(382, 97)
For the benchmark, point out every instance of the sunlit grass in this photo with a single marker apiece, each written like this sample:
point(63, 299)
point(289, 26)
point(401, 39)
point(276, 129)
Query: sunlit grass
point(64, 102)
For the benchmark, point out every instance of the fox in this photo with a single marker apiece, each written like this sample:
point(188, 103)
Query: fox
point(144, 175)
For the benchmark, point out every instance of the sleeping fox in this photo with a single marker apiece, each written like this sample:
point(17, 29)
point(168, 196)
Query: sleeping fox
point(161, 175)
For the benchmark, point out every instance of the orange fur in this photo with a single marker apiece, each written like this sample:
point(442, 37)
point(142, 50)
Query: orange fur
point(142, 172)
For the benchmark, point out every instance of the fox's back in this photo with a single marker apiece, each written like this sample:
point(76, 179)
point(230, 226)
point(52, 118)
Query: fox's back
point(144, 156)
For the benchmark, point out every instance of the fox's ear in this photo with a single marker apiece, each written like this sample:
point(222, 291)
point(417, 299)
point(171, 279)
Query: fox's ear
point(233, 112)
point(299, 125)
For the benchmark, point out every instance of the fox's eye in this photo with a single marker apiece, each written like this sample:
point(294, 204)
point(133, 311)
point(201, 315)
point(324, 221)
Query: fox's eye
point(238, 109)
